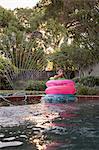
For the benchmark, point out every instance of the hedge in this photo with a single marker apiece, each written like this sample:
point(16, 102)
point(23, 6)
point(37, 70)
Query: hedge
point(89, 81)
point(36, 85)
point(85, 90)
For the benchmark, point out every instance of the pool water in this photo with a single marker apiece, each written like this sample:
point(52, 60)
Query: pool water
point(73, 126)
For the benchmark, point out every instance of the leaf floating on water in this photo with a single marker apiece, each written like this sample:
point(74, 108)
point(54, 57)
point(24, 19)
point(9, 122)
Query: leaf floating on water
point(9, 139)
point(8, 144)
point(2, 135)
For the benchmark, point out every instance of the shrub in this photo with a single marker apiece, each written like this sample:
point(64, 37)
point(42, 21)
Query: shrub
point(36, 85)
point(85, 90)
point(82, 90)
point(77, 79)
point(4, 84)
point(97, 81)
point(93, 91)
point(6, 69)
point(87, 81)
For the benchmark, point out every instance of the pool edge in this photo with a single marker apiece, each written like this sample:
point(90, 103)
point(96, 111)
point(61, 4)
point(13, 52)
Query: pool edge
point(38, 97)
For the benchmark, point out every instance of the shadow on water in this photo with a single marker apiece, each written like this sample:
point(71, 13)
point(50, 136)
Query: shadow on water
point(46, 126)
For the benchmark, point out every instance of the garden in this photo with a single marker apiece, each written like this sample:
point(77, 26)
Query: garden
point(33, 38)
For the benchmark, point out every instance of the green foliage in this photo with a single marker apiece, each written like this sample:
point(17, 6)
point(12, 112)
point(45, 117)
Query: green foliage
point(4, 84)
point(54, 32)
point(8, 21)
point(85, 90)
point(93, 91)
point(60, 58)
point(5, 16)
point(90, 81)
point(82, 90)
point(6, 70)
point(80, 18)
point(5, 64)
point(24, 54)
point(36, 85)
point(72, 57)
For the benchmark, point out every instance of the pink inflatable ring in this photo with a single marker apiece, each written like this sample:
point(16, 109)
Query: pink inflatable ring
point(65, 89)
point(59, 83)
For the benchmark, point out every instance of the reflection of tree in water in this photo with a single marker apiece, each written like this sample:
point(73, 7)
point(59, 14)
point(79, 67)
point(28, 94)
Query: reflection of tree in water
point(56, 127)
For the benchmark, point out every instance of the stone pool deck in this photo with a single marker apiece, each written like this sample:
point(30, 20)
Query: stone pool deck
point(32, 99)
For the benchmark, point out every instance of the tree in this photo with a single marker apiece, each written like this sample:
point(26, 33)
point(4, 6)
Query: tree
point(9, 21)
point(72, 58)
point(80, 18)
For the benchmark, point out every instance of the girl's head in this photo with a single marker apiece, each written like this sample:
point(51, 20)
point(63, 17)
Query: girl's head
point(60, 71)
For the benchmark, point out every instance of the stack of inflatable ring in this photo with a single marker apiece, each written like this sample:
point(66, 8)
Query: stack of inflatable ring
point(60, 91)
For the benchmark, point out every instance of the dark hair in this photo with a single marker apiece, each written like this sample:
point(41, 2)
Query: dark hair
point(60, 71)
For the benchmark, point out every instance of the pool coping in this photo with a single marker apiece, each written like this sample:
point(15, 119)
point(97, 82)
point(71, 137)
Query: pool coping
point(32, 98)
point(87, 97)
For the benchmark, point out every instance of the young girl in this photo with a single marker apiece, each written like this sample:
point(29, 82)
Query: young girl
point(60, 74)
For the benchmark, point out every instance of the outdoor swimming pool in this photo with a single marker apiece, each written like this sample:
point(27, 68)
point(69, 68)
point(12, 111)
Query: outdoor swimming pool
point(43, 126)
